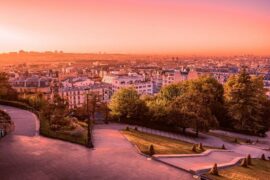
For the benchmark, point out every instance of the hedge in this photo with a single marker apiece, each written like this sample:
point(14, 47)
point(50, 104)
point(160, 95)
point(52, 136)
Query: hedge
point(20, 105)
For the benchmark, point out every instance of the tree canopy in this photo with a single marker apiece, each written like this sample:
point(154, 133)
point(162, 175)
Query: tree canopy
point(6, 91)
point(245, 99)
point(126, 105)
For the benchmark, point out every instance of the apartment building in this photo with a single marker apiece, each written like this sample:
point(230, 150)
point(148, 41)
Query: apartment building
point(136, 81)
point(76, 96)
point(167, 77)
point(34, 84)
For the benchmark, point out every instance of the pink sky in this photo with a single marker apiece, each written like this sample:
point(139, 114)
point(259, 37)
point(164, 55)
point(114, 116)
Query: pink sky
point(137, 26)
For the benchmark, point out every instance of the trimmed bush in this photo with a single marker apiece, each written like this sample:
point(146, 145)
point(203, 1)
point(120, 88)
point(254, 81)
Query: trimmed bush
point(214, 170)
point(223, 146)
point(263, 157)
point(151, 150)
point(194, 148)
point(249, 160)
point(244, 163)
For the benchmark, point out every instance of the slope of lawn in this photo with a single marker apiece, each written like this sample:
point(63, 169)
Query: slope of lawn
point(229, 139)
point(162, 145)
point(259, 170)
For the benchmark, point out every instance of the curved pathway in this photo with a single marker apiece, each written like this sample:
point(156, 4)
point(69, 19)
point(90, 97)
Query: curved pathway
point(208, 140)
point(202, 163)
point(26, 155)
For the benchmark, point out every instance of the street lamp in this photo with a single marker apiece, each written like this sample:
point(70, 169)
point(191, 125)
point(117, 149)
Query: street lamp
point(89, 137)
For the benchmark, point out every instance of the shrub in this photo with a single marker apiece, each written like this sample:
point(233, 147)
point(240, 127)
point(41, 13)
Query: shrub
point(214, 170)
point(248, 141)
point(249, 160)
point(127, 128)
point(151, 150)
point(263, 157)
point(136, 129)
point(223, 146)
point(244, 163)
point(194, 148)
point(235, 140)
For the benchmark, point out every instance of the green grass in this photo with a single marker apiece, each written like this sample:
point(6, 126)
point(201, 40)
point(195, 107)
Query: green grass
point(162, 145)
point(260, 170)
point(62, 135)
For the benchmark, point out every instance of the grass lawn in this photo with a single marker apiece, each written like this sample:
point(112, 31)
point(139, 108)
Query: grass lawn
point(260, 170)
point(162, 145)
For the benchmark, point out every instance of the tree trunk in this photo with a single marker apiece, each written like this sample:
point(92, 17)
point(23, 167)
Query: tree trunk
point(184, 130)
point(197, 132)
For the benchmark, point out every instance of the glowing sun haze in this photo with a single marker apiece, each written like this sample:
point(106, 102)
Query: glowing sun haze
point(137, 26)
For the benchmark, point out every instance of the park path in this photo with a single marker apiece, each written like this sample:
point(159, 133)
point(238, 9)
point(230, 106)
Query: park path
point(213, 141)
point(26, 155)
point(263, 142)
point(202, 163)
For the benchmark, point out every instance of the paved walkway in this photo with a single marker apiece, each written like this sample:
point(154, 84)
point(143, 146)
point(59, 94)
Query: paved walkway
point(212, 141)
point(197, 163)
point(264, 142)
point(25, 155)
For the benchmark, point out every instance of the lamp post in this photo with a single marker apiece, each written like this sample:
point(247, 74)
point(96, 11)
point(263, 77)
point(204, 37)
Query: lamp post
point(89, 137)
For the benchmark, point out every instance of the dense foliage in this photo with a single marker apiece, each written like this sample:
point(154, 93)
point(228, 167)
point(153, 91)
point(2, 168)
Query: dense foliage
point(247, 103)
point(200, 104)
point(126, 105)
point(6, 91)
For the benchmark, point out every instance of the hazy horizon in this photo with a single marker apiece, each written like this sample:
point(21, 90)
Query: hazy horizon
point(208, 28)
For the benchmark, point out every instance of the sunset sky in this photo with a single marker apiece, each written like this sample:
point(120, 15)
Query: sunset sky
point(194, 27)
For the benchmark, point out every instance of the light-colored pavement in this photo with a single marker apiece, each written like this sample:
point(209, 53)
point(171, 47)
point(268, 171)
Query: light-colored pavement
point(199, 162)
point(26, 123)
point(25, 155)
point(264, 142)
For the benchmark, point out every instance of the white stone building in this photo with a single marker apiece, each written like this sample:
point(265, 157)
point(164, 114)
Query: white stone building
point(76, 96)
point(138, 82)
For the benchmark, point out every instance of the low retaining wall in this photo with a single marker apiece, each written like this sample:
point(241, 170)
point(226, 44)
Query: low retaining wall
point(202, 170)
point(19, 105)
point(205, 153)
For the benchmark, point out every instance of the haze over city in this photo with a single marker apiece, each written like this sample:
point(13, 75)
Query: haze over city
point(209, 27)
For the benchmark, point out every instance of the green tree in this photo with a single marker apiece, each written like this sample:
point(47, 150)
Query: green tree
point(36, 100)
point(170, 92)
point(214, 94)
point(126, 105)
point(246, 99)
point(176, 117)
point(56, 112)
point(6, 91)
point(197, 102)
point(160, 105)
point(158, 109)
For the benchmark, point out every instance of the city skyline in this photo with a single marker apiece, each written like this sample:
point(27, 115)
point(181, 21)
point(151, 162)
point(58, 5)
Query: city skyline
point(137, 27)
